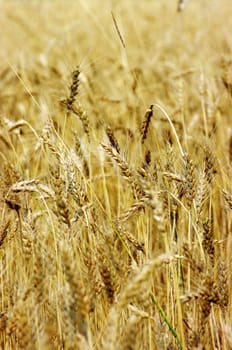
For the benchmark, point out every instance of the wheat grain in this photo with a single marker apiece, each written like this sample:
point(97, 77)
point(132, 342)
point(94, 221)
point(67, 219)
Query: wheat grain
point(128, 246)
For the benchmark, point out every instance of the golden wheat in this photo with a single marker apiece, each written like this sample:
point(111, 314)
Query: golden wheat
point(115, 221)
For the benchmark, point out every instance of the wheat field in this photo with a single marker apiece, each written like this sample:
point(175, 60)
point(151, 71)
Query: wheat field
point(116, 168)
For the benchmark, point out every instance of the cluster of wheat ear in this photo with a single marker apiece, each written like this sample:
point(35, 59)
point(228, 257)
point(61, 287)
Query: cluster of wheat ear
point(115, 180)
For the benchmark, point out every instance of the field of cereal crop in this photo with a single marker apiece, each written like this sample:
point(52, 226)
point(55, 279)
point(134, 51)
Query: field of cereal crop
point(115, 180)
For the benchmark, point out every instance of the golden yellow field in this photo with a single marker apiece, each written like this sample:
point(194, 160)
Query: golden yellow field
point(115, 181)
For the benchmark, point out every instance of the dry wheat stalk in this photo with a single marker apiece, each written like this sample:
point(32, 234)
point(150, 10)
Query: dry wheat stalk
point(76, 189)
point(79, 302)
point(139, 312)
point(228, 198)
point(131, 238)
point(208, 239)
point(174, 177)
point(4, 232)
point(190, 181)
point(124, 167)
point(73, 90)
point(112, 139)
point(118, 31)
point(120, 162)
point(146, 123)
point(134, 209)
point(206, 181)
point(5, 140)
point(97, 284)
point(61, 202)
point(78, 110)
point(209, 170)
point(202, 195)
point(32, 185)
point(222, 289)
point(140, 280)
point(74, 106)
point(81, 155)
point(108, 278)
point(27, 239)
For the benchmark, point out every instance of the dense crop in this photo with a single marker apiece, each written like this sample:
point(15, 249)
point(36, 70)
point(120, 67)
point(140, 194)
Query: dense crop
point(116, 168)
